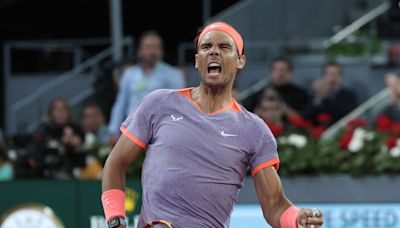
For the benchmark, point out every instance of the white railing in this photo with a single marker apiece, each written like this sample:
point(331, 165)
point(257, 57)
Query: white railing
point(357, 24)
point(377, 98)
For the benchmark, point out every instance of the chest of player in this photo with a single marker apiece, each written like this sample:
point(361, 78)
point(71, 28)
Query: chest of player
point(213, 137)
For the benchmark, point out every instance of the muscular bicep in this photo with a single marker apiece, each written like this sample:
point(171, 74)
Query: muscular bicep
point(270, 195)
point(122, 155)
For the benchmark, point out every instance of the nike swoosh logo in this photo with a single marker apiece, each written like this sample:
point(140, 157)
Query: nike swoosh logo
point(176, 118)
point(226, 134)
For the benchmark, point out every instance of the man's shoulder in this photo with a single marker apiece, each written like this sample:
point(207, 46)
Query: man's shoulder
point(160, 93)
point(157, 99)
point(170, 68)
point(298, 88)
point(131, 68)
point(249, 117)
point(166, 65)
point(254, 125)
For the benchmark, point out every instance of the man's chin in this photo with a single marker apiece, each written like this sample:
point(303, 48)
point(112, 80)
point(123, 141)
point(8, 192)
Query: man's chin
point(215, 84)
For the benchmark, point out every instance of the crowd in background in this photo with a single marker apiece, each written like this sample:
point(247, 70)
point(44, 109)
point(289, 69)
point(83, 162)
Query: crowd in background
point(65, 147)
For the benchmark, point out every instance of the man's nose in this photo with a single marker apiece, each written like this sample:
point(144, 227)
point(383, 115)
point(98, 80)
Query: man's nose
point(214, 50)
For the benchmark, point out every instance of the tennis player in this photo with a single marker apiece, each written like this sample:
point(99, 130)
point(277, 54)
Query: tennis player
point(200, 143)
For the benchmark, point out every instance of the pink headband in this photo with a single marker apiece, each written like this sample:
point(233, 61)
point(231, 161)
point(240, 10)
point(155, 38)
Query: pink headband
point(224, 27)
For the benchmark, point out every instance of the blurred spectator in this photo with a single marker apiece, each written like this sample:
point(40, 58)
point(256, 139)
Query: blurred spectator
point(46, 155)
point(106, 84)
point(57, 147)
point(294, 97)
point(149, 74)
point(330, 96)
point(6, 167)
point(119, 71)
point(59, 115)
point(392, 110)
point(185, 73)
point(270, 109)
point(92, 122)
point(77, 163)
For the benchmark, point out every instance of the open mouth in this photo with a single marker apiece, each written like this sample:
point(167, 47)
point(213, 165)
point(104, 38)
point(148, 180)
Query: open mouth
point(214, 68)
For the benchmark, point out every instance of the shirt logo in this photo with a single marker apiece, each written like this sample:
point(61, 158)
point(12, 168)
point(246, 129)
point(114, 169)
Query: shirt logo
point(226, 134)
point(108, 203)
point(176, 118)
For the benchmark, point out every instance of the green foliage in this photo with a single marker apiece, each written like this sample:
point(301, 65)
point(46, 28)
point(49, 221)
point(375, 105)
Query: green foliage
point(327, 157)
point(361, 44)
point(301, 154)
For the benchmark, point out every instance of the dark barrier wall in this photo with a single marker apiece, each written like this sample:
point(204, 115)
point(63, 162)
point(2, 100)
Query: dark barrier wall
point(76, 203)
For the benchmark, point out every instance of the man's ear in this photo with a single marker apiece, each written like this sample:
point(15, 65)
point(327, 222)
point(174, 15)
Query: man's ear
point(241, 61)
point(196, 65)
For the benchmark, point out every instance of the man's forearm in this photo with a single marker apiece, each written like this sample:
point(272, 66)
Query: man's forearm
point(271, 196)
point(113, 180)
point(278, 207)
point(113, 175)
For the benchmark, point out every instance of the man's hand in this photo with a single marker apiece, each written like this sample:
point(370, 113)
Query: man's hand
point(321, 89)
point(309, 218)
point(393, 83)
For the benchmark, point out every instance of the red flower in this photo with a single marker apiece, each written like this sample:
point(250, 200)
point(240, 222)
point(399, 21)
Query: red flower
point(297, 121)
point(396, 128)
point(383, 123)
point(357, 122)
point(316, 132)
point(276, 129)
point(324, 118)
point(391, 142)
point(346, 138)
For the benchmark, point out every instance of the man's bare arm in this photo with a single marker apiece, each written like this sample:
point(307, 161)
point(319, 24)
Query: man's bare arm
point(274, 202)
point(122, 155)
point(271, 196)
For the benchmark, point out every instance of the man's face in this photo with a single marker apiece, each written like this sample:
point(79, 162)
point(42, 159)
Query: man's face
point(271, 110)
point(332, 77)
point(280, 73)
point(59, 113)
point(217, 59)
point(150, 50)
point(92, 119)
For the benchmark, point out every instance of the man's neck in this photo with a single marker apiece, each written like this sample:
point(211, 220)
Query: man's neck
point(212, 99)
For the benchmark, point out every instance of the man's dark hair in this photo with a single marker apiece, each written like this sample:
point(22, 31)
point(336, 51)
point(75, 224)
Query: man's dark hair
point(332, 64)
point(196, 39)
point(150, 33)
point(285, 60)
